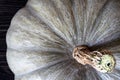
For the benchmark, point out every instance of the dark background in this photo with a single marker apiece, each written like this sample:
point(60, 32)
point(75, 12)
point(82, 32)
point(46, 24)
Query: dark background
point(8, 8)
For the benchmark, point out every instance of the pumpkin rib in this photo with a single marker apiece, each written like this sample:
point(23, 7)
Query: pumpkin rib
point(54, 26)
point(47, 26)
point(68, 8)
point(24, 30)
point(31, 58)
point(29, 37)
point(44, 70)
point(61, 73)
point(96, 20)
point(68, 46)
point(106, 12)
point(51, 29)
point(97, 17)
point(78, 19)
point(43, 35)
point(82, 12)
point(92, 11)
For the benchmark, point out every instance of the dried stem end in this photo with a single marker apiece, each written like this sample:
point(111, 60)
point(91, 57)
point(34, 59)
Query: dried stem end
point(102, 60)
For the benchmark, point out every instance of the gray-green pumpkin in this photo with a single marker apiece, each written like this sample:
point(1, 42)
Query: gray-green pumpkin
point(43, 34)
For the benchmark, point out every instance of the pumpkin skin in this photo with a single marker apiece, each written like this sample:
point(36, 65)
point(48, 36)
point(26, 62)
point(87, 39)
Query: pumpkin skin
point(43, 34)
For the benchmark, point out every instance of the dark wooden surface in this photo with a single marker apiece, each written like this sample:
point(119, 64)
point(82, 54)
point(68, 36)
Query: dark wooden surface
point(8, 8)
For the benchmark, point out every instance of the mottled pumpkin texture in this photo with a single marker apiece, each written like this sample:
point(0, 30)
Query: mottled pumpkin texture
point(43, 34)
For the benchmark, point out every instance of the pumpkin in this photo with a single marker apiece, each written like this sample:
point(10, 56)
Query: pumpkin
point(44, 34)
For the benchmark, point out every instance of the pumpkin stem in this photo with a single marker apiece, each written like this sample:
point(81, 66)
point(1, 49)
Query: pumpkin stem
point(102, 60)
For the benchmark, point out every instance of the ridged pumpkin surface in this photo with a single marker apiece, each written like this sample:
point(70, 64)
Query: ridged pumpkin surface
point(43, 34)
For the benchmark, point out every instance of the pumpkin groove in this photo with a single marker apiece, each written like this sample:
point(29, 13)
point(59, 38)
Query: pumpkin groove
point(43, 35)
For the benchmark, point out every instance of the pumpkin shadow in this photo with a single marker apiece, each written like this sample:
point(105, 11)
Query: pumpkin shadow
point(107, 44)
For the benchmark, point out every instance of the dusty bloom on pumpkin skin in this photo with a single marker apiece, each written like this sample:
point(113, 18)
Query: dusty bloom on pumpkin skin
point(43, 34)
